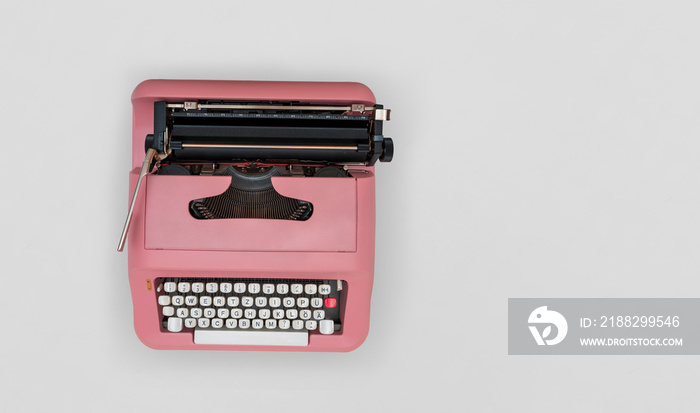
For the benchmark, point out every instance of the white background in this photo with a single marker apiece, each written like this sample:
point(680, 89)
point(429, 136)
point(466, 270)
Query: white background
point(543, 149)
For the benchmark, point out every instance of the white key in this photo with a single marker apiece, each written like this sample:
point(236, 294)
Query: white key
point(275, 302)
point(288, 302)
point(284, 324)
point(319, 314)
point(268, 288)
point(222, 313)
point(247, 301)
point(317, 302)
point(326, 326)
point(174, 324)
point(177, 300)
point(310, 289)
point(190, 323)
point(170, 287)
point(271, 324)
point(311, 325)
point(203, 323)
point(205, 301)
point(197, 287)
point(292, 314)
point(212, 288)
point(260, 301)
point(253, 288)
point(164, 300)
point(305, 314)
point(225, 288)
point(302, 302)
point(182, 312)
point(297, 288)
point(191, 300)
point(282, 289)
point(217, 323)
point(278, 314)
point(297, 324)
point(251, 337)
point(243, 323)
point(196, 312)
point(209, 313)
point(168, 311)
point(249, 313)
point(231, 323)
point(236, 313)
point(219, 301)
point(239, 288)
point(324, 289)
point(183, 287)
point(264, 313)
point(257, 324)
point(233, 301)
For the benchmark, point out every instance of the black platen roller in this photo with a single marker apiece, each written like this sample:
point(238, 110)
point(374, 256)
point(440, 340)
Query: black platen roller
point(290, 136)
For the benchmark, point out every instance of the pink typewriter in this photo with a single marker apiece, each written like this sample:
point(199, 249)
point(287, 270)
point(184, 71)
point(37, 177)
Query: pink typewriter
point(251, 224)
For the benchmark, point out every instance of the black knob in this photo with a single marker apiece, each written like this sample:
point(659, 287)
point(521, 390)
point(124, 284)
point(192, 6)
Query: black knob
point(387, 150)
point(149, 142)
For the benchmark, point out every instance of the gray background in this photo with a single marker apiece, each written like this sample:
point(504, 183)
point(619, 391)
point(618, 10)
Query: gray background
point(543, 149)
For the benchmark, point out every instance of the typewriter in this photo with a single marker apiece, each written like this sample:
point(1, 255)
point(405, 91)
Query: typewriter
point(251, 224)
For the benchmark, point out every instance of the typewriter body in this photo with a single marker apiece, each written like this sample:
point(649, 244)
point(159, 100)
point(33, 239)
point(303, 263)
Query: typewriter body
point(252, 218)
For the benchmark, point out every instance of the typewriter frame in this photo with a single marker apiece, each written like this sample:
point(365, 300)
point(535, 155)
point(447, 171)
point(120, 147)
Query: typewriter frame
point(149, 261)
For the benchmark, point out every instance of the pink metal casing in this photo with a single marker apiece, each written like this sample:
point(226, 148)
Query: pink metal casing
point(337, 242)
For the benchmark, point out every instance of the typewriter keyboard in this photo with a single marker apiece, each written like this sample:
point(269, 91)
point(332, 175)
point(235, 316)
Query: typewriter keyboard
point(249, 311)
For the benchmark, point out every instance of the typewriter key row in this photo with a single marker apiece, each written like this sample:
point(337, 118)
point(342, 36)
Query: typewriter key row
point(241, 287)
point(234, 301)
point(249, 311)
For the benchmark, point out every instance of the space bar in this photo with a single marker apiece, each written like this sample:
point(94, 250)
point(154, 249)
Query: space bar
point(251, 337)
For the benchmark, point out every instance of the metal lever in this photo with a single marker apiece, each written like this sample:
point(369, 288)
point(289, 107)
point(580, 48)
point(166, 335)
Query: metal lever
point(145, 168)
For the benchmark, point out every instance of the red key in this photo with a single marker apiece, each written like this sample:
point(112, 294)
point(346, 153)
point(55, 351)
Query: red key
point(330, 302)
